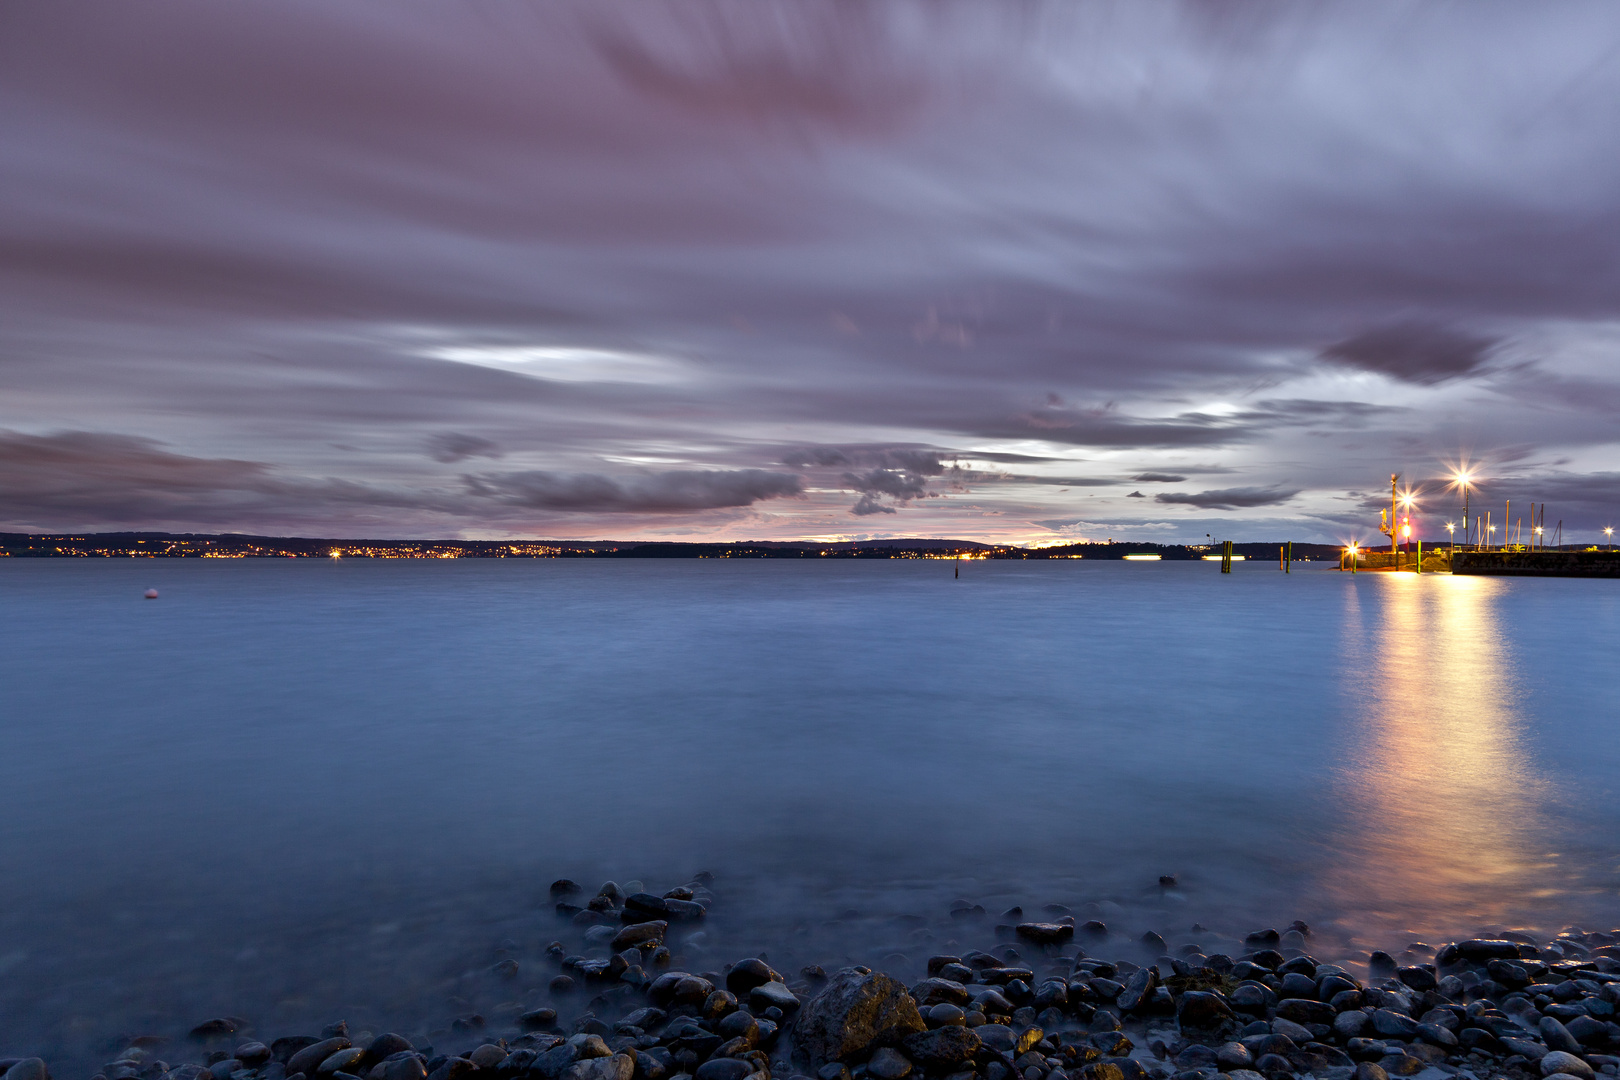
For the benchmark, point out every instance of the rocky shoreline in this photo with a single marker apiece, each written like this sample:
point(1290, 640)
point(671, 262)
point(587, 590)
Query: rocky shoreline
point(1053, 996)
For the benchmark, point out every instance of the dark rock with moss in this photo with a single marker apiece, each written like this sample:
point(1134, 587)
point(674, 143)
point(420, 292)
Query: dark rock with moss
point(858, 1010)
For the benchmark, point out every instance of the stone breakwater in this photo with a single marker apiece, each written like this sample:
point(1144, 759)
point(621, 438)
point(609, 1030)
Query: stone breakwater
point(1042, 1002)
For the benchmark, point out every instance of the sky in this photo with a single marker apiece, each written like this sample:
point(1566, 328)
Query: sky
point(1009, 272)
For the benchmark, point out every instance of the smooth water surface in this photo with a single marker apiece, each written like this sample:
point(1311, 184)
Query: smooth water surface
point(295, 790)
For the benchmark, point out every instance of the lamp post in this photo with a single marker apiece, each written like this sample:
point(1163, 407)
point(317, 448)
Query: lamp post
point(1609, 532)
point(1463, 478)
point(1407, 499)
point(1394, 542)
point(1451, 531)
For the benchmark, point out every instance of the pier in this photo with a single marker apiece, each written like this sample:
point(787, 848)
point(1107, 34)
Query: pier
point(1538, 563)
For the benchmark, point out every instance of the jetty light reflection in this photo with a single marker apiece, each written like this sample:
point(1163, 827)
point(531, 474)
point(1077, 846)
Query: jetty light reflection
point(1447, 806)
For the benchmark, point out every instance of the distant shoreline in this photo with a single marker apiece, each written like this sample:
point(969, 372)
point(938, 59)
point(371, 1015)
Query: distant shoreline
point(233, 546)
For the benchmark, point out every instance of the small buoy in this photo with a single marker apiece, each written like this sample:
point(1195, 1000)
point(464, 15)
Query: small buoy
point(151, 594)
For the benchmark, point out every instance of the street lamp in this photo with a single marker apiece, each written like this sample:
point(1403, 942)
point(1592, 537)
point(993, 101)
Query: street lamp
point(1609, 532)
point(1464, 479)
point(1451, 530)
point(1353, 553)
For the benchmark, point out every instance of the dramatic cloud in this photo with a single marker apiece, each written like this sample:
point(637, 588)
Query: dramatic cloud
point(79, 477)
point(591, 269)
point(453, 446)
point(1412, 351)
point(1229, 499)
point(901, 473)
point(660, 492)
point(900, 485)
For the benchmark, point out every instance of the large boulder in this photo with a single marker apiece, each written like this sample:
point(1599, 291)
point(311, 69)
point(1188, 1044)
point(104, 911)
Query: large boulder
point(856, 1011)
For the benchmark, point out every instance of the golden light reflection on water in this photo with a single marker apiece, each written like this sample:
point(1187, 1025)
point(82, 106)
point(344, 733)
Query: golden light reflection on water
point(1447, 806)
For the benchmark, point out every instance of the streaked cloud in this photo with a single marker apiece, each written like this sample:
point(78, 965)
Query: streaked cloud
point(598, 269)
point(1227, 498)
point(673, 490)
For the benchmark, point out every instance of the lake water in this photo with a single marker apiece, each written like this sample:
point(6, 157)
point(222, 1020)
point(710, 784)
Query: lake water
point(298, 790)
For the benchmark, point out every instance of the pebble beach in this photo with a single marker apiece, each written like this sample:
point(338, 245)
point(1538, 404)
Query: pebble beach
point(630, 989)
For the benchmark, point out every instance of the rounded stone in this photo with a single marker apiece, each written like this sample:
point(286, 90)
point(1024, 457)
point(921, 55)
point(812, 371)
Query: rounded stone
point(1418, 978)
point(1203, 1011)
point(738, 1025)
point(537, 1019)
point(405, 1068)
point(747, 974)
point(1273, 1065)
point(888, 1064)
point(1298, 985)
point(342, 1061)
point(306, 1060)
point(1558, 1061)
point(253, 1054)
point(488, 1056)
point(942, 1048)
point(1233, 1055)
